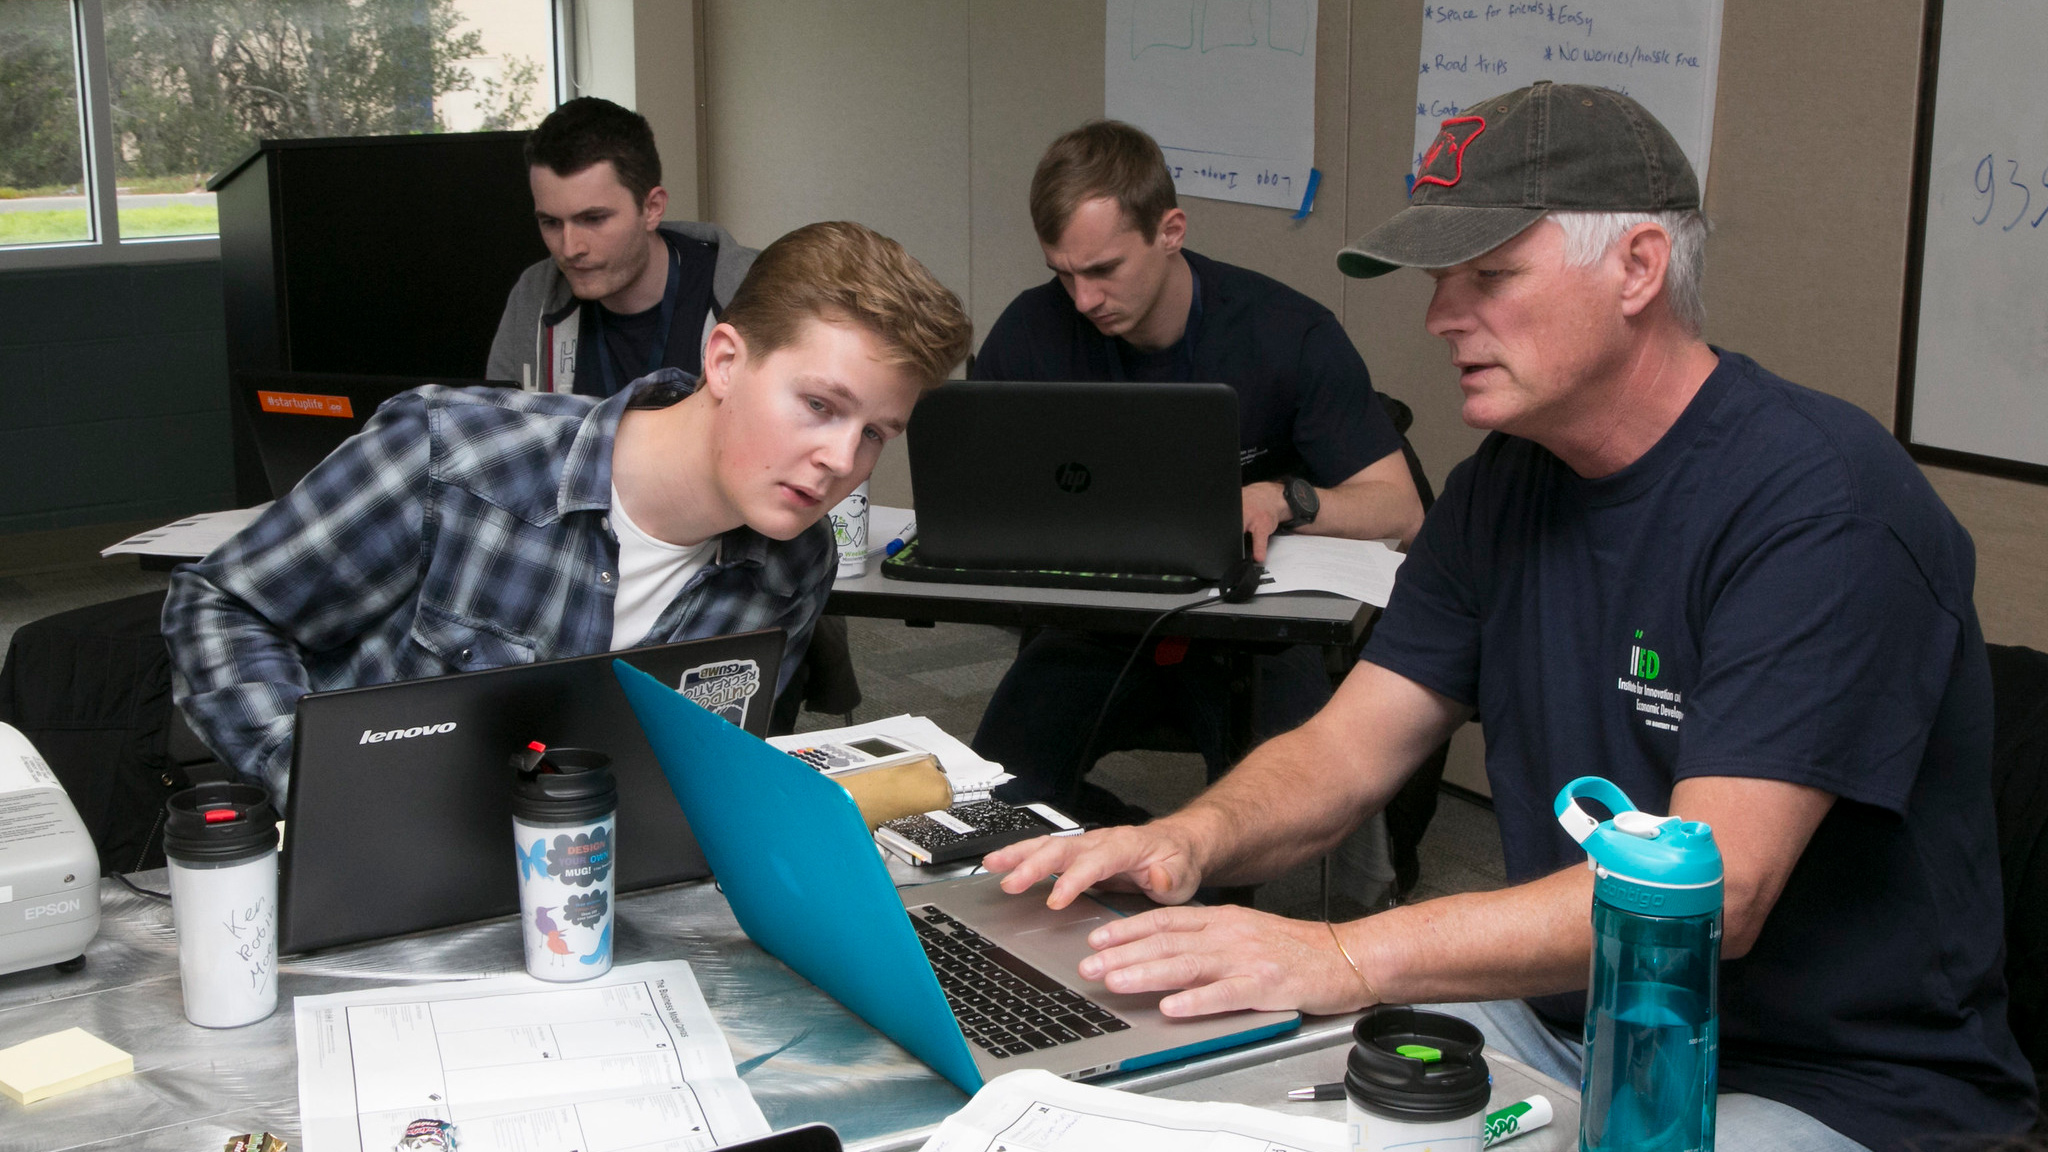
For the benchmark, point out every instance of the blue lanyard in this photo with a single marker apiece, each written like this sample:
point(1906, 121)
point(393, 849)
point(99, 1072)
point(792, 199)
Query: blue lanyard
point(668, 315)
point(1187, 336)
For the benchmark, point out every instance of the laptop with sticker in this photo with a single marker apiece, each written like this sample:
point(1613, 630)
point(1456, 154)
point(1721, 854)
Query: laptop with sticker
point(972, 981)
point(399, 814)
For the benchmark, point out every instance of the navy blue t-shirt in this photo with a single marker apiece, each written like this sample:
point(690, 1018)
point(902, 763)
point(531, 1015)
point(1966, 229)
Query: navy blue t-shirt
point(628, 338)
point(1772, 591)
point(1305, 405)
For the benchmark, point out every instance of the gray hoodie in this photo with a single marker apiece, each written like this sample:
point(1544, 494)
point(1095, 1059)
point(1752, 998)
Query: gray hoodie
point(536, 342)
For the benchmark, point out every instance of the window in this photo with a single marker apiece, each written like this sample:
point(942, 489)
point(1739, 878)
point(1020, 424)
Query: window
point(115, 113)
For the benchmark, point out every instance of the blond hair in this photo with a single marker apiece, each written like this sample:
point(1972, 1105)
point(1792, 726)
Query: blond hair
point(1102, 159)
point(846, 272)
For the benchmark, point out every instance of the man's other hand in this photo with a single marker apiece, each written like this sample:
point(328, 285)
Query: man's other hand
point(1224, 959)
point(1152, 859)
point(1265, 509)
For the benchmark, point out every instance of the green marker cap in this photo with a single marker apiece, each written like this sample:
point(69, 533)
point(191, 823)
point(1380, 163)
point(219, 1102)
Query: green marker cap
point(1422, 1052)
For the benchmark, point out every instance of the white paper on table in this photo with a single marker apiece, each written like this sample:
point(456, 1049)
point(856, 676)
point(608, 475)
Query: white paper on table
point(193, 536)
point(1228, 90)
point(1361, 569)
point(1036, 1111)
point(883, 524)
point(969, 774)
point(1666, 55)
point(630, 1060)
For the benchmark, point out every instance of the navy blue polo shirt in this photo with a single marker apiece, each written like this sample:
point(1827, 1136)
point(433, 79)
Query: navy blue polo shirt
point(1772, 591)
point(1305, 404)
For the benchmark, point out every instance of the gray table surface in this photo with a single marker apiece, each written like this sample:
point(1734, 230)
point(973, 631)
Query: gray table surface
point(1291, 617)
point(803, 1056)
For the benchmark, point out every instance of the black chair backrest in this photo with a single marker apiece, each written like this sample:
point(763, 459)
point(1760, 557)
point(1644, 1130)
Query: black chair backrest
point(1404, 418)
point(2019, 784)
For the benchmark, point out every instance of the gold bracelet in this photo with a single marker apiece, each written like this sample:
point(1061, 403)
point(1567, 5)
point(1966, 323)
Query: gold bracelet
point(1371, 997)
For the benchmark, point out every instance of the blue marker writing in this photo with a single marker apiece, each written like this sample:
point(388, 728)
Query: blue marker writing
point(901, 540)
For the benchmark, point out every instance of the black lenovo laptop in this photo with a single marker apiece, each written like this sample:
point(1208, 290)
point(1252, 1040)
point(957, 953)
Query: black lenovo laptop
point(1083, 485)
point(298, 418)
point(399, 815)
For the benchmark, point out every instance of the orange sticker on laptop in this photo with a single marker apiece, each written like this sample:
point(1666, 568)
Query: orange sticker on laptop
point(304, 404)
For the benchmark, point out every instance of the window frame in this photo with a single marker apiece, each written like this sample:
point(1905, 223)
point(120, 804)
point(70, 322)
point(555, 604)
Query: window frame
point(96, 128)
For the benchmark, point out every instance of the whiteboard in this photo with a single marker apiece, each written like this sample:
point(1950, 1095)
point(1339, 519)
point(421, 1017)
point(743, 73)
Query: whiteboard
point(1227, 88)
point(1664, 53)
point(1979, 365)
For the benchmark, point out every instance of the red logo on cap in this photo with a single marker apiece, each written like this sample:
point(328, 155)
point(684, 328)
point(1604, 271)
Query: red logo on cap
point(1448, 142)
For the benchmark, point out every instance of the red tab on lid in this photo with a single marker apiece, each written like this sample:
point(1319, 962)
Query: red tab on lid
point(536, 746)
point(221, 815)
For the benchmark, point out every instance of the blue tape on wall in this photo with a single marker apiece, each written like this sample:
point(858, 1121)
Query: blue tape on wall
point(1308, 195)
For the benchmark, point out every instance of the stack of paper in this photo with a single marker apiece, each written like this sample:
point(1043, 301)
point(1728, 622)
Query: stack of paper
point(1361, 569)
point(194, 536)
point(971, 776)
point(630, 1060)
point(1036, 1111)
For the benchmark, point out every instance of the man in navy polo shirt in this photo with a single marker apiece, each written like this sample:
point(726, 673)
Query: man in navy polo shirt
point(1319, 453)
point(1734, 597)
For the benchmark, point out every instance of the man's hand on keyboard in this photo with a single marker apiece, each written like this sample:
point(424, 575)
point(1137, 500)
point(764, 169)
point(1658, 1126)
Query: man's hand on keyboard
point(1223, 959)
point(1153, 859)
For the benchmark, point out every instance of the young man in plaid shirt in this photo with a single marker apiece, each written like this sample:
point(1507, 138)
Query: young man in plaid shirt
point(475, 528)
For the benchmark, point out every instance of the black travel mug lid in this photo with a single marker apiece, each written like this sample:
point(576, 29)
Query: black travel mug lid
point(219, 823)
point(1417, 1066)
point(562, 785)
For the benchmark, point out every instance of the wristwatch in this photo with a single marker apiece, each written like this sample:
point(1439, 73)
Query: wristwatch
point(1302, 501)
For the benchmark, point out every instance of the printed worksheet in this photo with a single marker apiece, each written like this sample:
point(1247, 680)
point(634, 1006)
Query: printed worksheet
point(1036, 1111)
point(629, 1062)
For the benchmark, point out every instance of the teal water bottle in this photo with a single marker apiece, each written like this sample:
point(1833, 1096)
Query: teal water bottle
point(1651, 1028)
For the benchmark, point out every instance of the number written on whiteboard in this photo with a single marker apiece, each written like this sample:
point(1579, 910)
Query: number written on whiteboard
point(1997, 179)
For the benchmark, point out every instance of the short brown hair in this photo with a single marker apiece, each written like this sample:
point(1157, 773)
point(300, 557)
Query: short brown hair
point(842, 271)
point(590, 130)
point(1102, 159)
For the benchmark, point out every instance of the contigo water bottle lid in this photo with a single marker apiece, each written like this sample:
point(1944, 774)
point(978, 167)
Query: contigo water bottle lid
point(1416, 1066)
point(219, 824)
point(1654, 865)
point(562, 785)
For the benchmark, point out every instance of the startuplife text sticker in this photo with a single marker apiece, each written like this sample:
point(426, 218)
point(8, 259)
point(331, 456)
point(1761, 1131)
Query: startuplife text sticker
point(305, 404)
point(723, 689)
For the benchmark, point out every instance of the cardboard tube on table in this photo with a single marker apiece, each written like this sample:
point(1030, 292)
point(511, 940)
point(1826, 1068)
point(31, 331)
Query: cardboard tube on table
point(885, 794)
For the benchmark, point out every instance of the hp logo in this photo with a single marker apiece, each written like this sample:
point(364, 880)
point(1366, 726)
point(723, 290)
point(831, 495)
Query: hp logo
point(1072, 477)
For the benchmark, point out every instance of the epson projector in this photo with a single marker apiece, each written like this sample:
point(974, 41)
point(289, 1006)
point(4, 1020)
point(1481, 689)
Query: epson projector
point(49, 871)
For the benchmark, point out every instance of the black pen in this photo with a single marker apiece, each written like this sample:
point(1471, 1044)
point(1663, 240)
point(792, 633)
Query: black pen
point(1318, 1092)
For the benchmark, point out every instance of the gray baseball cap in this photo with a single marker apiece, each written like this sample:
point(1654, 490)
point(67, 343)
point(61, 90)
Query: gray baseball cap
point(1501, 164)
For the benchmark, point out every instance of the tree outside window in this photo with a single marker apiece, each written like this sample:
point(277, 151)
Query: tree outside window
point(193, 84)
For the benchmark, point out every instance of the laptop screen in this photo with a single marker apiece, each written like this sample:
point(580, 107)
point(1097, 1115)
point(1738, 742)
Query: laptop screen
point(413, 830)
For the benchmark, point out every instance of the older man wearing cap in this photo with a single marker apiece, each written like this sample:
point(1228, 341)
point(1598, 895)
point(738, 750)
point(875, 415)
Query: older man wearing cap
point(1818, 691)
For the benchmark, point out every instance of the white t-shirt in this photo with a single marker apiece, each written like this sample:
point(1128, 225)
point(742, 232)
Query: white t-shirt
point(651, 574)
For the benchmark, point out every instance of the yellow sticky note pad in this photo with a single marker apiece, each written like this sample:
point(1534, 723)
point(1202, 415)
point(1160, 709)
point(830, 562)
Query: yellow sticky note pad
point(54, 1064)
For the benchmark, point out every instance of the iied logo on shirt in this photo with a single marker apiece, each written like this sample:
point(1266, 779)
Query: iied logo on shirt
point(1643, 662)
point(1656, 707)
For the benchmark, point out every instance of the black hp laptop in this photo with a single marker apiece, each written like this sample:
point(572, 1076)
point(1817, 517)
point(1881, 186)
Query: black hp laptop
point(298, 418)
point(1095, 485)
point(399, 815)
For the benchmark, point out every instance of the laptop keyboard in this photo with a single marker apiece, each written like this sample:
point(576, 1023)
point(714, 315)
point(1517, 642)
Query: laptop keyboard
point(1005, 1007)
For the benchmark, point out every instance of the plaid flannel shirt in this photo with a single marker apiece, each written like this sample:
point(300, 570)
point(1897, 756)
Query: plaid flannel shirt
point(461, 529)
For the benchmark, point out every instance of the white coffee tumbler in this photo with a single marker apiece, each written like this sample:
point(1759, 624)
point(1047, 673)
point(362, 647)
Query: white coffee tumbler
point(564, 829)
point(849, 519)
point(1416, 1080)
point(221, 844)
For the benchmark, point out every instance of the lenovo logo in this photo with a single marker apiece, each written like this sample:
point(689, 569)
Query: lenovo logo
point(370, 737)
point(57, 909)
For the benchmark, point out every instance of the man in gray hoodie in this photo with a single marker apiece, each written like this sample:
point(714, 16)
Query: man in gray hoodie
point(627, 291)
